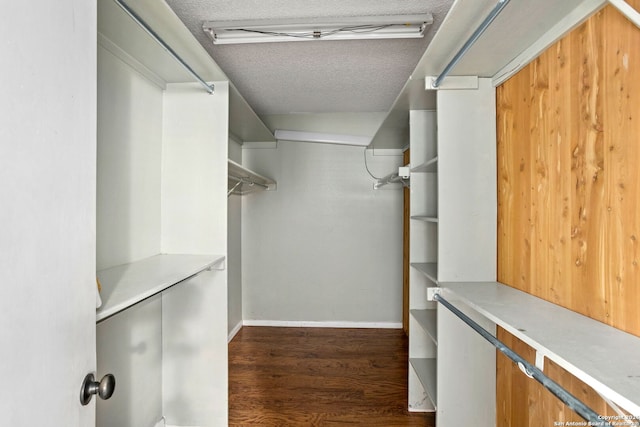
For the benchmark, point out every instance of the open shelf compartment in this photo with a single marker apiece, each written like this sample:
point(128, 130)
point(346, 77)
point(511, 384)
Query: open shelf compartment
point(126, 285)
point(426, 370)
point(429, 269)
point(427, 319)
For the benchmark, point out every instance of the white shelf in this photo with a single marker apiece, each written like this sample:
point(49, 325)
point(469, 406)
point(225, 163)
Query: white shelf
point(426, 370)
point(427, 319)
point(429, 166)
point(425, 218)
point(128, 284)
point(605, 358)
point(429, 269)
point(251, 181)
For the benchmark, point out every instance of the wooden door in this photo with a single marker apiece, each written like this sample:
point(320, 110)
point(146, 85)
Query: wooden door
point(405, 251)
point(47, 214)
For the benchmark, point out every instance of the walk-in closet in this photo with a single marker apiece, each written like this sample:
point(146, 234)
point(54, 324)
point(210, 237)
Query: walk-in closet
point(416, 213)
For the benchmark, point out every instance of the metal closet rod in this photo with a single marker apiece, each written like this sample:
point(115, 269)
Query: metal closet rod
point(241, 181)
point(158, 39)
point(621, 5)
point(530, 370)
point(246, 180)
point(389, 179)
point(474, 37)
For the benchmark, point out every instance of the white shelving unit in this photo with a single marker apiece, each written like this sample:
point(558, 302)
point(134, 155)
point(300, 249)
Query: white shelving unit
point(125, 285)
point(423, 256)
point(162, 221)
point(575, 342)
point(426, 371)
point(452, 236)
point(467, 233)
point(466, 202)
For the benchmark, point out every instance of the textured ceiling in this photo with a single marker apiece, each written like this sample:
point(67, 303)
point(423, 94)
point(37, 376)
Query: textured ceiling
point(316, 76)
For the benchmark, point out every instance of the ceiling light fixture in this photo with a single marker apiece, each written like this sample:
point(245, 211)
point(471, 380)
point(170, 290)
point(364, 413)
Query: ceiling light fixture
point(347, 28)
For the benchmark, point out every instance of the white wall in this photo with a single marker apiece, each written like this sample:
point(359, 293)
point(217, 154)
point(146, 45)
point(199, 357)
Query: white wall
point(234, 249)
point(325, 246)
point(129, 150)
point(129, 348)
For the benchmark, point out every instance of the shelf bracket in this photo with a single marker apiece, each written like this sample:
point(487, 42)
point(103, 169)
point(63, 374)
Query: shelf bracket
point(540, 360)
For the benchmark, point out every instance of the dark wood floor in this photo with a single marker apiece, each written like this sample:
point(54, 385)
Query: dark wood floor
point(320, 377)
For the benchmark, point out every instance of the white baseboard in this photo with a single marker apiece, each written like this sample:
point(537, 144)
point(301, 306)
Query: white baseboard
point(160, 423)
point(323, 324)
point(233, 332)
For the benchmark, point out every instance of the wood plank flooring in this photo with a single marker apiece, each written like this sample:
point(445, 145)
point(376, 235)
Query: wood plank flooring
point(320, 377)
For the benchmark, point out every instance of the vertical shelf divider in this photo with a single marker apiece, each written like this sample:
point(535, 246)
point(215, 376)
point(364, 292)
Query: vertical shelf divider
point(423, 257)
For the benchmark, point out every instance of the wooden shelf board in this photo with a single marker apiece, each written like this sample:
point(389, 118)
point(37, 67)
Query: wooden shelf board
point(426, 370)
point(429, 269)
point(603, 357)
point(427, 319)
point(128, 284)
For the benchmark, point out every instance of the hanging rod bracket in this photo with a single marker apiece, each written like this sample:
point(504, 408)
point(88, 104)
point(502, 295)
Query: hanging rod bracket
point(540, 360)
point(525, 371)
point(432, 292)
point(452, 82)
point(401, 177)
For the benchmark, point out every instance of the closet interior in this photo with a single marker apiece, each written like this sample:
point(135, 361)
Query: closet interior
point(206, 223)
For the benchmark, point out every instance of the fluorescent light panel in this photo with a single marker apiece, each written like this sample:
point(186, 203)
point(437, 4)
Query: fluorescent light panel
point(348, 28)
point(327, 138)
